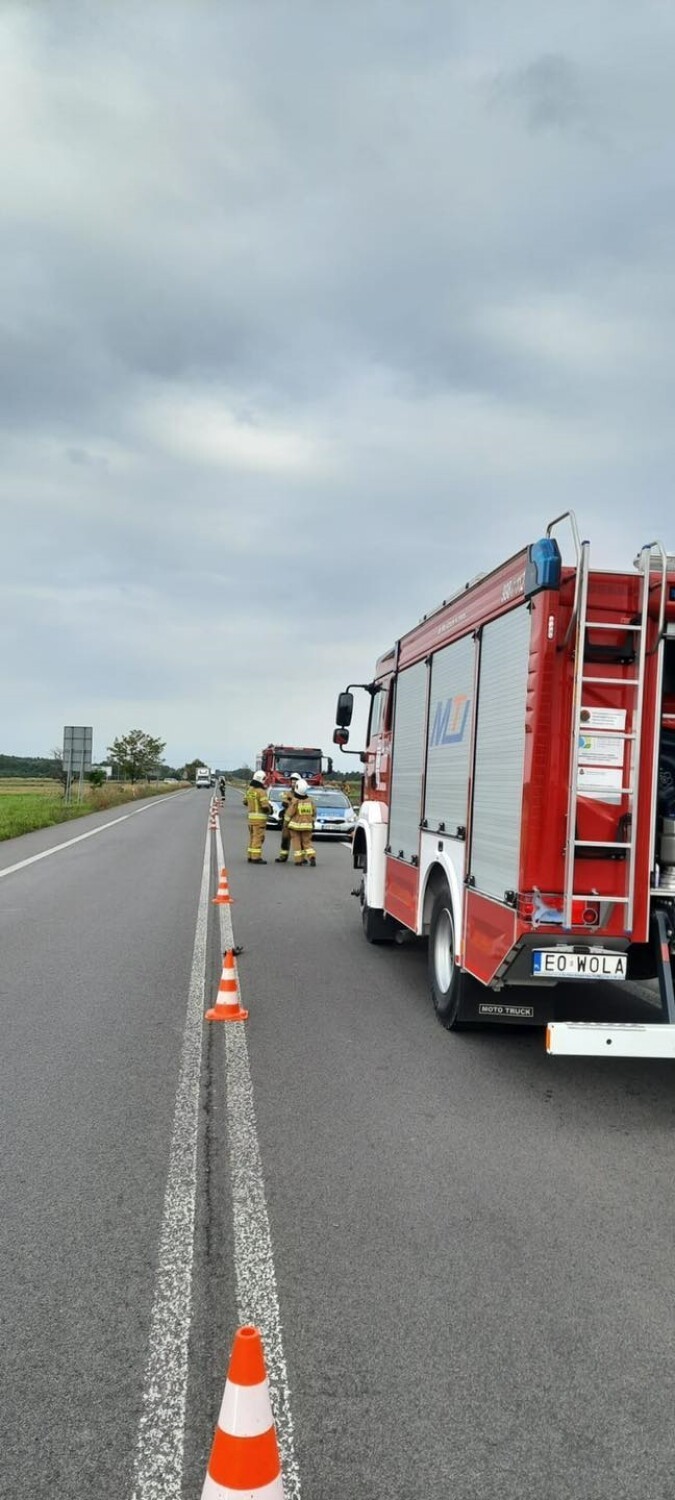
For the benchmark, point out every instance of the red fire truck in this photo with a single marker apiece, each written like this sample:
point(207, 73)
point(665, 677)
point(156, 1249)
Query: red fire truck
point(279, 761)
point(519, 792)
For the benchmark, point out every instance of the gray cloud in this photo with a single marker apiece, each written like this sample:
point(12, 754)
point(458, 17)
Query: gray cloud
point(305, 317)
point(549, 90)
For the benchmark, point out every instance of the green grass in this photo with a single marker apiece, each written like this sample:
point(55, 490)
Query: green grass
point(23, 812)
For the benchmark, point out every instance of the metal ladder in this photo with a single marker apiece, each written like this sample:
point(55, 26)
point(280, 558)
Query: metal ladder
point(632, 737)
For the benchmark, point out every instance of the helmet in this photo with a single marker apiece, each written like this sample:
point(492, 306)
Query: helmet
point(301, 786)
point(259, 777)
point(295, 776)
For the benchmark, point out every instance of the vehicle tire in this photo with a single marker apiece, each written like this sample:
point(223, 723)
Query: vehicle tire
point(447, 981)
point(376, 927)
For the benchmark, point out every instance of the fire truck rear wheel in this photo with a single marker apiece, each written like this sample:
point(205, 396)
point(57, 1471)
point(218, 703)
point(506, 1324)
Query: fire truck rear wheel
point(446, 980)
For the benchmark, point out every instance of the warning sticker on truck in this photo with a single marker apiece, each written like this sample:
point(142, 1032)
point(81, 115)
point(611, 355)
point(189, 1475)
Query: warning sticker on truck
point(603, 718)
point(601, 756)
point(601, 782)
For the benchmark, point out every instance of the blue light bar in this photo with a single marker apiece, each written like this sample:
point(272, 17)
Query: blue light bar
point(543, 566)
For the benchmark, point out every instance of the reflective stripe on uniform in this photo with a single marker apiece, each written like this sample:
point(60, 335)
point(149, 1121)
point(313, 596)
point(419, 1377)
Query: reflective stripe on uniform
point(257, 803)
point(303, 817)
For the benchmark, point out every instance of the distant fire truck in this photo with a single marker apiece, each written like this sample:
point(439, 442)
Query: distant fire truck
point(279, 761)
point(519, 791)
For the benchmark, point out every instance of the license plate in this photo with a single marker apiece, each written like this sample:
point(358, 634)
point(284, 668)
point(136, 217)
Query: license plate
point(333, 826)
point(550, 963)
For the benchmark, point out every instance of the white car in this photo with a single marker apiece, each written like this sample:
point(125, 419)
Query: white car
point(275, 793)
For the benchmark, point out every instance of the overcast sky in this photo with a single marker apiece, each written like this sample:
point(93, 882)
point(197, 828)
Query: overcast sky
point(309, 311)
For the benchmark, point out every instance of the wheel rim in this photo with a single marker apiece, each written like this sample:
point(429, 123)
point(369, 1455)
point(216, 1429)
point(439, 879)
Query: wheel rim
point(444, 952)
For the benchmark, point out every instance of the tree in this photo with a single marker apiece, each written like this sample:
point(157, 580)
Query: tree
point(136, 753)
point(58, 768)
point(241, 773)
point(97, 776)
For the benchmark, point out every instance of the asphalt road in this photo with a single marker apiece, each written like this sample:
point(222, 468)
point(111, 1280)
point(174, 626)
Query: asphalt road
point(473, 1243)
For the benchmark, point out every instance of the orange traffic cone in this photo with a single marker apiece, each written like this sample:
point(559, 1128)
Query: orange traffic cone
point(222, 896)
point(227, 1006)
point(245, 1457)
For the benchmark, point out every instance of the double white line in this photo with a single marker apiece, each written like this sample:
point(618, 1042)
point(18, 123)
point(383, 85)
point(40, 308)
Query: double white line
point(161, 1433)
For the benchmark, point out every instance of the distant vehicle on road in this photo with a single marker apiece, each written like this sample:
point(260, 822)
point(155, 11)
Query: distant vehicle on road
point(280, 761)
point(203, 777)
point(275, 794)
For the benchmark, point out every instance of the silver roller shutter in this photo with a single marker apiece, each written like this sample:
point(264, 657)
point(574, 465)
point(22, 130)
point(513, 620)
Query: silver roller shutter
point(406, 785)
point(449, 737)
point(500, 753)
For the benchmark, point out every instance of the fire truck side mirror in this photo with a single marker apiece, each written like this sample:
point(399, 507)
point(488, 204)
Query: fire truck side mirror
point(344, 711)
point(340, 737)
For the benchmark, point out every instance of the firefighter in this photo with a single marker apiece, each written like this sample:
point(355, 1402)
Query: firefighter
point(300, 817)
point(257, 802)
point(286, 798)
point(221, 787)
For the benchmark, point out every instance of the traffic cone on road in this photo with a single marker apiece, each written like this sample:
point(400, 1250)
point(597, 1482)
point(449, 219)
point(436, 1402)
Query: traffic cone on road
point(227, 1006)
point(222, 896)
point(245, 1456)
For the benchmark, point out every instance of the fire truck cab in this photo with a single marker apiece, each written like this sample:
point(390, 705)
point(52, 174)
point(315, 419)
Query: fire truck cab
point(280, 761)
point(519, 791)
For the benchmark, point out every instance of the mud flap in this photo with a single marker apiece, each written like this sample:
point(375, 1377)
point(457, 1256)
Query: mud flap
point(481, 1006)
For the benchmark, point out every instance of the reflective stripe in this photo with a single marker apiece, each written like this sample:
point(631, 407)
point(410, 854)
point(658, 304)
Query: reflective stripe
point(245, 1409)
point(257, 817)
point(256, 801)
point(214, 1491)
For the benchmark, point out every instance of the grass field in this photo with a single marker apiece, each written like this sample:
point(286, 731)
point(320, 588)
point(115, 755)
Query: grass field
point(33, 786)
point(30, 804)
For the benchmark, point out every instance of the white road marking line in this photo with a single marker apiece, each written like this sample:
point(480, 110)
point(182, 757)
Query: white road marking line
point(56, 848)
point(257, 1298)
point(161, 1430)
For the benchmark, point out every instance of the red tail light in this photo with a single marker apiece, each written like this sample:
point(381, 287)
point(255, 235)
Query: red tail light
point(544, 909)
point(584, 914)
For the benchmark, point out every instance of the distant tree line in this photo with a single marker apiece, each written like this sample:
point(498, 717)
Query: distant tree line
point(28, 765)
point(133, 757)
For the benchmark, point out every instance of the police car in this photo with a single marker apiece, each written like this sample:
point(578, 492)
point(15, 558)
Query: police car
point(335, 816)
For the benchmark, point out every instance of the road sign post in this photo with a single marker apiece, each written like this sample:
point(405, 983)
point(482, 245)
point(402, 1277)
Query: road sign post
point(77, 753)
